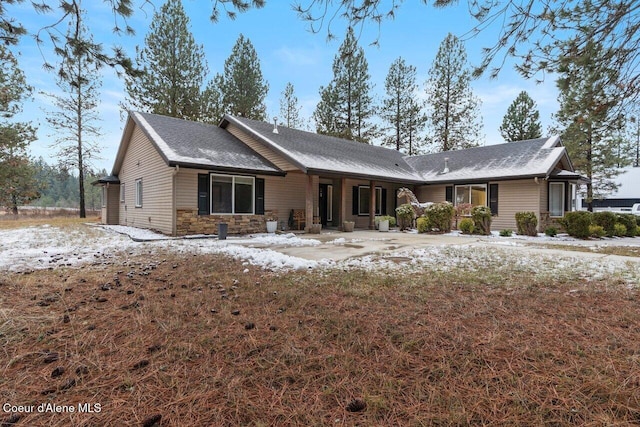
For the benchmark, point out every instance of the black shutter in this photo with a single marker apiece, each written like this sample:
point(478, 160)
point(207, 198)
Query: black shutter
point(567, 197)
point(384, 202)
point(354, 206)
point(204, 207)
point(493, 198)
point(449, 194)
point(259, 196)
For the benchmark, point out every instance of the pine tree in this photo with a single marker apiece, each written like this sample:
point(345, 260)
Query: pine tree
point(18, 184)
point(522, 120)
point(242, 86)
point(401, 109)
point(211, 105)
point(454, 119)
point(588, 118)
point(173, 67)
point(290, 109)
point(346, 104)
point(76, 117)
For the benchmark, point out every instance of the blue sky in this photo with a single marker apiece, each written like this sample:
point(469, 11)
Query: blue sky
point(288, 52)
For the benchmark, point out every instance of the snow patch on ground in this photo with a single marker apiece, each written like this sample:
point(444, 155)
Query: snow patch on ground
point(41, 247)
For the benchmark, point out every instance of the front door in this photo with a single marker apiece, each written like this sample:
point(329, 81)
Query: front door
point(325, 202)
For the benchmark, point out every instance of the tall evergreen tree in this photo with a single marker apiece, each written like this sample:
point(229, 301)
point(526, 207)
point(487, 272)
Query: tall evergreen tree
point(173, 67)
point(242, 86)
point(290, 109)
point(522, 120)
point(75, 119)
point(18, 184)
point(346, 105)
point(589, 119)
point(401, 110)
point(454, 118)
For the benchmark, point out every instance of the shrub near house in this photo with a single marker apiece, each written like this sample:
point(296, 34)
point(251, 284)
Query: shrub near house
point(438, 217)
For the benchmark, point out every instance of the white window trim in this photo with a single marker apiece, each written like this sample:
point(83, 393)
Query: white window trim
point(233, 194)
point(104, 196)
point(486, 193)
point(139, 193)
point(122, 193)
point(561, 199)
point(378, 200)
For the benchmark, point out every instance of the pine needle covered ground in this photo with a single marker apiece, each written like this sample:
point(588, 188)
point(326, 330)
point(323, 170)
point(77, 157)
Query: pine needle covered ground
point(175, 339)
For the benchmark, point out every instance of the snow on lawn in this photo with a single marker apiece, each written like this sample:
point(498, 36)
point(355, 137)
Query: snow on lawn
point(47, 247)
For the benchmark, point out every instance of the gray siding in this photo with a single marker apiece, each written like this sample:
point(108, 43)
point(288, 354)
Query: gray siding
point(142, 161)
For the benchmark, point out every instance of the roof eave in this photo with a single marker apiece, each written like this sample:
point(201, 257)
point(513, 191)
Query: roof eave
point(339, 174)
point(190, 165)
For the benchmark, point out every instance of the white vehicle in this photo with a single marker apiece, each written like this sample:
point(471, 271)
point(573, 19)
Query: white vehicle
point(636, 209)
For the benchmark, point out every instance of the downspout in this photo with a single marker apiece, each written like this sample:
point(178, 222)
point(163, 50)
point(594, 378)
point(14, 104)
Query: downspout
point(174, 214)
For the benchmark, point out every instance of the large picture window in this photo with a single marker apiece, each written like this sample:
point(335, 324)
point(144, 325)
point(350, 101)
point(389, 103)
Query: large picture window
point(363, 200)
point(476, 194)
point(556, 199)
point(232, 194)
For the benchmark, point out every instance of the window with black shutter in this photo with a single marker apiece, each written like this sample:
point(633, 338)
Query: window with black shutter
point(493, 198)
point(203, 194)
point(259, 196)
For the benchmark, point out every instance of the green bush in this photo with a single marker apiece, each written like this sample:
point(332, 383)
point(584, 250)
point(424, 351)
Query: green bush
point(597, 231)
point(607, 220)
point(482, 218)
point(405, 213)
point(527, 223)
point(423, 224)
point(619, 230)
point(506, 232)
point(629, 221)
point(391, 219)
point(551, 231)
point(466, 226)
point(439, 216)
point(577, 224)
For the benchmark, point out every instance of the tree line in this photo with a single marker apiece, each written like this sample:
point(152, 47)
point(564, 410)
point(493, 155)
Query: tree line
point(595, 63)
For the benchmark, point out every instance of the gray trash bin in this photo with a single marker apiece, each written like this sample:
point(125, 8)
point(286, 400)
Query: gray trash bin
point(222, 231)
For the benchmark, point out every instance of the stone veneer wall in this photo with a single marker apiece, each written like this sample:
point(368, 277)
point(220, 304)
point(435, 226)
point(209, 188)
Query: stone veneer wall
point(189, 222)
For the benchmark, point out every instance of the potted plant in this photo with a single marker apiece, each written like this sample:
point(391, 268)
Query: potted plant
point(272, 224)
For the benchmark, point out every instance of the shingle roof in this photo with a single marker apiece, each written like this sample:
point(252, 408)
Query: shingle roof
point(315, 153)
point(534, 157)
point(193, 144)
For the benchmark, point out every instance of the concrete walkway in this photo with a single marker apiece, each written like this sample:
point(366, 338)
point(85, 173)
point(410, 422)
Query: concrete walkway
point(366, 242)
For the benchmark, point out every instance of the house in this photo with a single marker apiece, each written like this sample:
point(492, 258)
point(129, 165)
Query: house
point(180, 177)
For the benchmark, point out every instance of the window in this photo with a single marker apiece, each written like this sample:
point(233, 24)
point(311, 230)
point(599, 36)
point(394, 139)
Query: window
point(556, 199)
point(363, 200)
point(138, 193)
point(476, 194)
point(104, 196)
point(122, 193)
point(232, 194)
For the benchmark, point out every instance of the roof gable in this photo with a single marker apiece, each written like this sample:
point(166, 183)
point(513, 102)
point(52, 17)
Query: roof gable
point(192, 144)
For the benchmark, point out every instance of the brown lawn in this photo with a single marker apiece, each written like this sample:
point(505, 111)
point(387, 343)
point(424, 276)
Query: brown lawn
point(172, 340)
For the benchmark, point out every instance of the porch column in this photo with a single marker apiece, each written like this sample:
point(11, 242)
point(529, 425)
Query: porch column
point(308, 203)
point(343, 201)
point(372, 205)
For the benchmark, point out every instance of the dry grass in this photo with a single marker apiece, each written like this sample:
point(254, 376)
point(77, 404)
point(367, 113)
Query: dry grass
point(631, 251)
point(55, 219)
point(159, 336)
